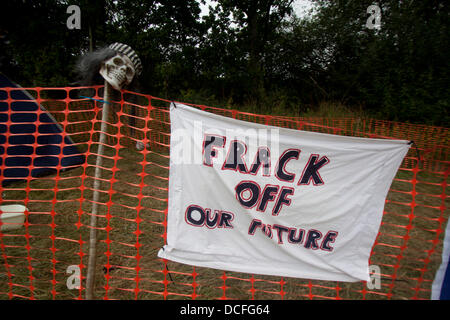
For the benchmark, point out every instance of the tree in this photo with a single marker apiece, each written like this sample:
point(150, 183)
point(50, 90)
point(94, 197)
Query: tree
point(165, 34)
point(256, 22)
point(39, 45)
point(397, 72)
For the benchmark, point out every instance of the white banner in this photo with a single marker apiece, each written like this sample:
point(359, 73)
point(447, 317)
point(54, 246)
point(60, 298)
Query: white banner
point(266, 200)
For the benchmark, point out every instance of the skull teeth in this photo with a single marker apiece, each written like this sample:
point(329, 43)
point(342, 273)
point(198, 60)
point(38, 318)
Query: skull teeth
point(120, 76)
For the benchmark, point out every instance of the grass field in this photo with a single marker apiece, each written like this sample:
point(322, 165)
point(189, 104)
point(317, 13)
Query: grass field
point(131, 221)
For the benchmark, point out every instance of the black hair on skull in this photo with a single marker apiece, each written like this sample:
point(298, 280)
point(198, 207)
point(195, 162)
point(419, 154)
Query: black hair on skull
point(88, 66)
point(87, 69)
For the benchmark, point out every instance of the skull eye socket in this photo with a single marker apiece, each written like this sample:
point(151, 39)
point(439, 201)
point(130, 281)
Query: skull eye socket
point(117, 61)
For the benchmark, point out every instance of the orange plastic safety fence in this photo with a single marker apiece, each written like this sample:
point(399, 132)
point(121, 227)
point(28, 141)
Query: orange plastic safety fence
point(47, 254)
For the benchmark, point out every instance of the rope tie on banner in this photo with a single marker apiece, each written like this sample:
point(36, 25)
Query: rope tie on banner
point(417, 151)
point(168, 271)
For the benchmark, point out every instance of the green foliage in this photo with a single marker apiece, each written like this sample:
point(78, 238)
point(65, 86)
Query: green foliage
point(250, 54)
point(399, 71)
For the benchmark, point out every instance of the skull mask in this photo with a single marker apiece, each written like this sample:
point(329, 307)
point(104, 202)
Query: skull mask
point(118, 71)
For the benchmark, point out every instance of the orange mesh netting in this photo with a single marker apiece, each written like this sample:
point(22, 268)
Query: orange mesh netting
point(131, 221)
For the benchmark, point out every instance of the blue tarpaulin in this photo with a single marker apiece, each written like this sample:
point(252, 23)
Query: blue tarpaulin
point(33, 144)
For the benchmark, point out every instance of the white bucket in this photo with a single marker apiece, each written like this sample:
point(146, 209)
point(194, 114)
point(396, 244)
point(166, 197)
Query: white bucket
point(12, 216)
